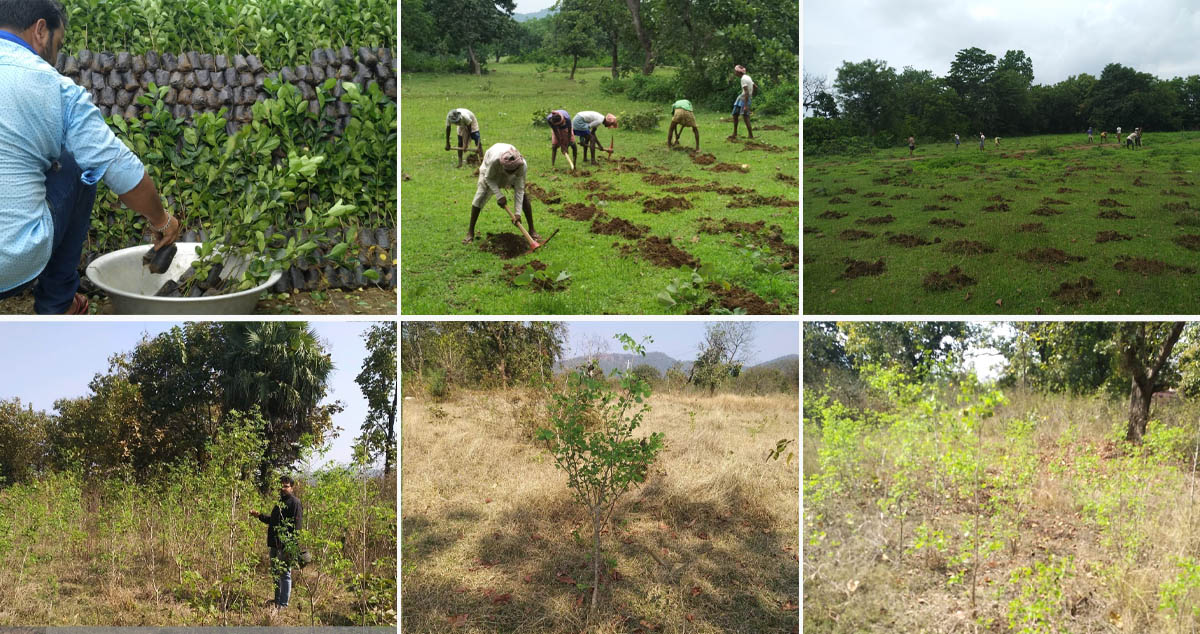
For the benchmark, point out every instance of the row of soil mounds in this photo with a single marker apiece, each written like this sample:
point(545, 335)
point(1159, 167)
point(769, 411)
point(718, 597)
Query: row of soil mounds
point(202, 82)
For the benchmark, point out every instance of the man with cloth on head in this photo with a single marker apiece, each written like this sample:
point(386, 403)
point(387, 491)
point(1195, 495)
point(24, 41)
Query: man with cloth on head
point(468, 130)
point(585, 124)
point(683, 117)
point(560, 135)
point(54, 148)
point(742, 104)
point(503, 166)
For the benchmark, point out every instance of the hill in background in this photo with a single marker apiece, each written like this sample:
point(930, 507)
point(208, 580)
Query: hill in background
point(525, 17)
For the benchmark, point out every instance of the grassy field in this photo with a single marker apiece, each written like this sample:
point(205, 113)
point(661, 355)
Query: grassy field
point(492, 539)
point(1041, 225)
point(609, 273)
point(1056, 523)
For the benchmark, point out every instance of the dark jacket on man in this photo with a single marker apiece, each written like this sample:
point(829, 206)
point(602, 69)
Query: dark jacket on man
point(284, 521)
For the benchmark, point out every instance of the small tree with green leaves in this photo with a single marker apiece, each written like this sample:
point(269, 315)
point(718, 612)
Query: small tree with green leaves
point(604, 463)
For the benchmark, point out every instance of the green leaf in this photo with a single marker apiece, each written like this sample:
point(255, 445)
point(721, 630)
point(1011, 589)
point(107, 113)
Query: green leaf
point(338, 251)
point(523, 279)
point(665, 299)
point(371, 274)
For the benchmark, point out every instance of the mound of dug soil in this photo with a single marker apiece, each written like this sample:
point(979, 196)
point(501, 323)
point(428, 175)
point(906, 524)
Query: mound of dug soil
point(765, 147)
point(704, 159)
point(832, 215)
point(1032, 227)
point(661, 252)
point(908, 241)
point(967, 247)
point(736, 297)
point(1077, 292)
point(855, 234)
point(729, 167)
point(998, 207)
point(1113, 215)
point(935, 208)
point(594, 186)
point(949, 223)
point(877, 220)
point(874, 195)
point(1108, 202)
point(668, 203)
point(1109, 236)
point(1183, 206)
point(505, 245)
point(1049, 255)
point(1189, 241)
point(878, 203)
point(629, 164)
point(787, 178)
point(511, 271)
point(951, 280)
point(1052, 201)
point(859, 268)
point(547, 198)
point(755, 200)
point(1149, 267)
point(666, 179)
point(950, 198)
point(619, 227)
point(1045, 211)
point(578, 211)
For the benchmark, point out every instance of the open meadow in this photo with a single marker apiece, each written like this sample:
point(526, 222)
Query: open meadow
point(631, 230)
point(493, 541)
point(1040, 225)
point(941, 517)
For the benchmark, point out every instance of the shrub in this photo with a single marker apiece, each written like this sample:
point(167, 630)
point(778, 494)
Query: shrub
point(778, 100)
point(435, 381)
point(640, 121)
point(653, 88)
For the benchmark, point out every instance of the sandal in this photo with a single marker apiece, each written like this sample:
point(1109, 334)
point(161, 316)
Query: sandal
point(79, 305)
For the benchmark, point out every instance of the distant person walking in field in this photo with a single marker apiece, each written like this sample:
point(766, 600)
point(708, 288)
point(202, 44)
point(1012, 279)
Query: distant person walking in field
point(741, 106)
point(1118, 134)
point(1089, 134)
point(912, 145)
point(682, 117)
point(1103, 137)
point(468, 130)
point(560, 135)
point(956, 140)
point(502, 167)
point(585, 124)
point(981, 140)
point(1138, 139)
point(282, 523)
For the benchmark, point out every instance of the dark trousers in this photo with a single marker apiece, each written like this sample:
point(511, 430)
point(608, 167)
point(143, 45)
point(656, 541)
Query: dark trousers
point(71, 204)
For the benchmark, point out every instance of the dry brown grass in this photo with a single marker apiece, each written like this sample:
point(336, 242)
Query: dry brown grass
point(708, 544)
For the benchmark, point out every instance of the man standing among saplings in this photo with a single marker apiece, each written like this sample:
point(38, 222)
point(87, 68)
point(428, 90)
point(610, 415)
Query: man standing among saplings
point(503, 166)
point(282, 525)
point(741, 106)
point(54, 148)
point(682, 117)
point(468, 130)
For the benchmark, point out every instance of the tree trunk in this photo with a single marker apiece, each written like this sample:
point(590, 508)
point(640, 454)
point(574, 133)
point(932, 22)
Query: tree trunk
point(1139, 411)
point(635, 9)
point(616, 72)
point(595, 558)
point(574, 63)
point(389, 459)
point(474, 62)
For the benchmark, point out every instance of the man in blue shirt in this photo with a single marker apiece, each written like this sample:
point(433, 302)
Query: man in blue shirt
point(54, 148)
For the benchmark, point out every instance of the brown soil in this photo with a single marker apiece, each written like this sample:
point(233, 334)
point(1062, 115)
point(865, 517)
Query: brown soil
point(1077, 292)
point(1137, 182)
point(615, 197)
point(901, 196)
point(1051, 201)
point(704, 159)
point(1115, 191)
point(950, 198)
point(832, 215)
point(1149, 267)
point(1172, 192)
point(1048, 255)
point(1189, 241)
point(998, 207)
point(808, 230)
point(668, 203)
point(1109, 236)
point(1108, 202)
point(577, 211)
point(737, 297)
point(505, 245)
point(511, 271)
point(661, 252)
point(714, 187)
point(855, 234)
point(908, 241)
point(772, 127)
point(874, 195)
point(946, 222)
point(1067, 190)
point(967, 247)
point(877, 220)
point(948, 281)
point(1183, 206)
point(765, 147)
point(859, 268)
point(581, 173)
point(1113, 215)
point(772, 236)
point(710, 226)
point(629, 164)
point(878, 203)
point(787, 178)
point(754, 200)
point(594, 186)
point(727, 167)
point(935, 208)
point(666, 179)
point(547, 198)
point(1032, 227)
point(883, 180)
point(999, 199)
point(1045, 211)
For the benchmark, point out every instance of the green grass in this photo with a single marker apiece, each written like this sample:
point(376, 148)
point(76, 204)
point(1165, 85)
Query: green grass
point(1156, 184)
point(442, 276)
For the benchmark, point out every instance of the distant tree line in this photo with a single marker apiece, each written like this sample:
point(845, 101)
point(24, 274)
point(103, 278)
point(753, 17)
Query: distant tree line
point(166, 400)
point(703, 40)
point(871, 104)
point(1133, 360)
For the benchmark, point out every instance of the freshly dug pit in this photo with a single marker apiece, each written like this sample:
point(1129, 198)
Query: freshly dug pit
point(948, 281)
point(1046, 211)
point(511, 271)
point(878, 203)
point(666, 179)
point(547, 198)
point(505, 245)
point(967, 247)
point(1066, 190)
point(1108, 202)
point(1053, 201)
point(629, 164)
point(950, 198)
point(1084, 289)
point(998, 207)
point(726, 167)
point(908, 241)
point(1032, 227)
point(1149, 267)
point(704, 159)
point(949, 223)
point(1113, 215)
point(668, 203)
point(765, 147)
point(661, 252)
point(619, 227)
point(577, 211)
point(1189, 241)
point(1109, 236)
point(999, 199)
point(855, 234)
point(832, 215)
point(772, 127)
point(877, 220)
point(1137, 182)
point(594, 186)
point(901, 197)
point(712, 226)
point(614, 197)
point(754, 200)
point(874, 195)
point(787, 178)
point(736, 297)
point(859, 268)
point(1049, 255)
point(1172, 192)
point(1115, 191)
point(935, 208)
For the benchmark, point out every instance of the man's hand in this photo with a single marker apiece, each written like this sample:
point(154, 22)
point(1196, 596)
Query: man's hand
point(169, 234)
point(255, 514)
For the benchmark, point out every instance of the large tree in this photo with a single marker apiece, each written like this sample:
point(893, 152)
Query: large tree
point(377, 380)
point(720, 356)
point(1145, 349)
point(643, 34)
point(23, 437)
point(469, 25)
point(1063, 356)
point(867, 90)
point(571, 32)
point(913, 345)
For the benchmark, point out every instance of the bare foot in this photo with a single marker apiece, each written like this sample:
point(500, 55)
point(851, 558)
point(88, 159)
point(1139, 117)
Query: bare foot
point(535, 236)
point(468, 239)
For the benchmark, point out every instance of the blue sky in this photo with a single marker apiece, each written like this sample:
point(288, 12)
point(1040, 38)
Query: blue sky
point(46, 361)
point(533, 6)
point(679, 339)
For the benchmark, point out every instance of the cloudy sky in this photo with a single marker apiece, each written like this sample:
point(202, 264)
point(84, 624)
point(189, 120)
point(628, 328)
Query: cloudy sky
point(1062, 37)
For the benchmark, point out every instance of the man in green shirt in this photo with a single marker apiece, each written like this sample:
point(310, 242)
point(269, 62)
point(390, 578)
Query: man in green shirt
point(683, 118)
